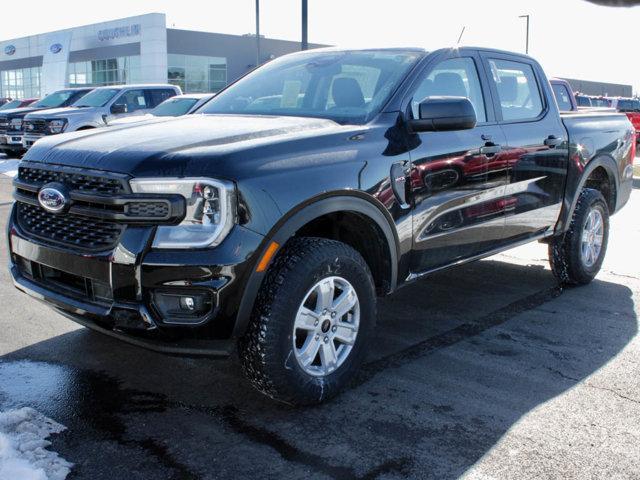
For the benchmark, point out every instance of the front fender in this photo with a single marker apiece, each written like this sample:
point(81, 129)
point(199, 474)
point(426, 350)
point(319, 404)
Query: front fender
point(295, 219)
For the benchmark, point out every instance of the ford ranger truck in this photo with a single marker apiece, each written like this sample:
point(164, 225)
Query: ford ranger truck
point(11, 121)
point(97, 109)
point(270, 221)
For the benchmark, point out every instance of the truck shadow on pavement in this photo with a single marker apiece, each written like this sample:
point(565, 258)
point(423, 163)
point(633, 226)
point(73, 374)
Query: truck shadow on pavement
point(459, 359)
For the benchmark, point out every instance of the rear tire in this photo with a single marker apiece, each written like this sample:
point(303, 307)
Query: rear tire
point(577, 256)
point(294, 351)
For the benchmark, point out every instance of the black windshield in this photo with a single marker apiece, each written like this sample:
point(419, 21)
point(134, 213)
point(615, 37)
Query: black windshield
point(348, 87)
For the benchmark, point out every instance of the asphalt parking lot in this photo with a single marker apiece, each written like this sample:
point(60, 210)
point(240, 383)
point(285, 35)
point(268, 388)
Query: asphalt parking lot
point(484, 371)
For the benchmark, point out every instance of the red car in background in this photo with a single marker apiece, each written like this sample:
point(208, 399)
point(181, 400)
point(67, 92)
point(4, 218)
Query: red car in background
point(25, 102)
point(631, 107)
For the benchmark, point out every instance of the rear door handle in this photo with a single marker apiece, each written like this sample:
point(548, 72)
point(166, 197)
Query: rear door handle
point(553, 141)
point(490, 149)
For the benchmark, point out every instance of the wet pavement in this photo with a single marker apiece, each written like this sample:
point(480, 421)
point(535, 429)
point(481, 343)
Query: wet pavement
point(487, 370)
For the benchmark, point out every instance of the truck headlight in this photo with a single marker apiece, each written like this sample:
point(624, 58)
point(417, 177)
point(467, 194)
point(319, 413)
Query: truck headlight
point(210, 213)
point(56, 126)
point(16, 123)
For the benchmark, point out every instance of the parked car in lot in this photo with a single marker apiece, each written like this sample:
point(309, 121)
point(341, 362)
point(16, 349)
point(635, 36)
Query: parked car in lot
point(564, 95)
point(631, 108)
point(583, 101)
point(25, 102)
point(97, 109)
point(273, 229)
point(11, 121)
point(172, 107)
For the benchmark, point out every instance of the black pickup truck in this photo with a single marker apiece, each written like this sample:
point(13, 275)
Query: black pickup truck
point(272, 220)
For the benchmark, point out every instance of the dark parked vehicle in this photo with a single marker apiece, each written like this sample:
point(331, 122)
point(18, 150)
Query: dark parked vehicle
point(272, 220)
point(583, 101)
point(25, 102)
point(11, 121)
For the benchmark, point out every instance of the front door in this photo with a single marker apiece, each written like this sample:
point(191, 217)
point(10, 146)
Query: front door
point(457, 178)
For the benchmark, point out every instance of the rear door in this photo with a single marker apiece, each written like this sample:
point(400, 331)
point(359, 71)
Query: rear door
point(536, 145)
point(457, 178)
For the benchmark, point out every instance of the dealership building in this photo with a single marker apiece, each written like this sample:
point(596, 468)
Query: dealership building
point(137, 49)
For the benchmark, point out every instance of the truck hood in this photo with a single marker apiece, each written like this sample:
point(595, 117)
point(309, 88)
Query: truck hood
point(19, 112)
point(63, 112)
point(187, 145)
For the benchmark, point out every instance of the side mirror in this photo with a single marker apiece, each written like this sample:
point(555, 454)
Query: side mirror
point(440, 114)
point(118, 108)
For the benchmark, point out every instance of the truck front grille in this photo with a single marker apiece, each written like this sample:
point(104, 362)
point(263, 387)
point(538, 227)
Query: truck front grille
point(68, 229)
point(85, 183)
point(35, 126)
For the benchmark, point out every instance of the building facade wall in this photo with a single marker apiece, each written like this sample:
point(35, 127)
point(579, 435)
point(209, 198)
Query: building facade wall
point(136, 49)
point(600, 88)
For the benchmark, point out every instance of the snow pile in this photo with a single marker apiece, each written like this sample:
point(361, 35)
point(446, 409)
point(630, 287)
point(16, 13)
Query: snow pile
point(23, 454)
point(9, 167)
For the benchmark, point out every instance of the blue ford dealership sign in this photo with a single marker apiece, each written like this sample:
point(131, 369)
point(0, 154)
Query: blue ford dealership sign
point(55, 48)
point(10, 49)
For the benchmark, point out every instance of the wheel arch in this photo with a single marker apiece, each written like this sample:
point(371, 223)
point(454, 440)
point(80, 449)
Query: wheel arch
point(353, 204)
point(601, 173)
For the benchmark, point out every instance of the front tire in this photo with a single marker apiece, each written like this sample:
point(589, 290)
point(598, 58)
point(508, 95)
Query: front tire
point(313, 319)
point(576, 257)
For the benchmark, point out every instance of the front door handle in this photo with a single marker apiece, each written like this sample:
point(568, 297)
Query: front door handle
point(490, 149)
point(553, 141)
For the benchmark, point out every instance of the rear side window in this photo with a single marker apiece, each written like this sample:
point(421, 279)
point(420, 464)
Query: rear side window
point(159, 95)
point(518, 90)
point(563, 97)
point(456, 77)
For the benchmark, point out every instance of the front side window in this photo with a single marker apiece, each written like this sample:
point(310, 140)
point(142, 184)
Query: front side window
point(348, 87)
point(518, 90)
point(97, 98)
point(456, 77)
point(563, 97)
point(133, 99)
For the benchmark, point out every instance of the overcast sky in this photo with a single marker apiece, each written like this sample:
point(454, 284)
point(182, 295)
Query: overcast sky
point(571, 38)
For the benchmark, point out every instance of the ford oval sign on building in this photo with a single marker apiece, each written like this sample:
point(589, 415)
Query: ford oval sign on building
point(10, 49)
point(55, 48)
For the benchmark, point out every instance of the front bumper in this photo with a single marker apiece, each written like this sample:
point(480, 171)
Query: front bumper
point(29, 139)
point(11, 142)
point(132, 272)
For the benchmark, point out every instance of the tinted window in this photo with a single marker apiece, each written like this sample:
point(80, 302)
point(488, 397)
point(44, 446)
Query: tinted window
point(517, 90)
point(583, 101)
point(133, 99)
point(563, 97)
point(348, 87)
point(174, 107)
point(57, 99)
point(456, 77)
point(11, 104)
point(97, 98)
point(157, 96)
point(628, 105)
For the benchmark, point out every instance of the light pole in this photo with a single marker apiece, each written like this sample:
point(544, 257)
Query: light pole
point(257, 33)
point(527, 45)
point(305, 42)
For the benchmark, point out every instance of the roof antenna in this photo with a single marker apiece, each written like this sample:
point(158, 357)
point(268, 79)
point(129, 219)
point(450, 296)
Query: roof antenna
point(461, 33)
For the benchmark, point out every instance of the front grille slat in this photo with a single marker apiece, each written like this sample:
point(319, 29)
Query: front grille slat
point(68, 229)
point(76, 181)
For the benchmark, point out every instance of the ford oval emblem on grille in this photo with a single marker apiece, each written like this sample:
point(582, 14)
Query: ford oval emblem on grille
point(52, 199)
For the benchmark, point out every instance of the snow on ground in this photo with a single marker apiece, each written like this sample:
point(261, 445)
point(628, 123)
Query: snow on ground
point(23, 443)
point(9, 167)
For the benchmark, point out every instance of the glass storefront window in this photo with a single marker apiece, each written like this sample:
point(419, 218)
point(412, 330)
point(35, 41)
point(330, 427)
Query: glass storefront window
point(110, 71)
point(197, 74)
point(21, 83)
